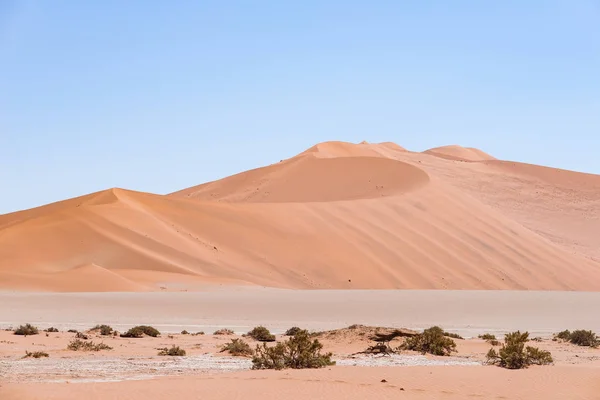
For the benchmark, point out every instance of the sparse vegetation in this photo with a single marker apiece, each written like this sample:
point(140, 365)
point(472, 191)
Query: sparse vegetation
point(174, 351)
point(487, 337)
point(51, 330)
point(292, 331)
point(515, 355)
point(431, 341)
point(82, 345)
point(184, 332)
point(36, 354)
point(83, 336)
point(237, 347)
point(579, 338)
point(261, 334)
point(27, 330)
point(140, 331)
point(224, 332)
point(72, 331)
point(198, 334)
point(453, 335)
point(299, 351)
point(104, 330)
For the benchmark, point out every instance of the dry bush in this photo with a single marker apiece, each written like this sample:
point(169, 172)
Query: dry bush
point(564, 335)
point(431, 341)
point(174, 351)
point(26, 330)
point(453, 335)
point(184, 332)
point(583, 338)
point(72, 331)
point(104, 330)
point(51, 330)
point(82, 345)
point(297, 352)
point(140, 331)
point(515, 355)
point(292, 331)
point(237, 347)
point(36, 354)
point(487, 336)
point(198, 334)
point(224, 332)
point(261, 334)
point(83, 336)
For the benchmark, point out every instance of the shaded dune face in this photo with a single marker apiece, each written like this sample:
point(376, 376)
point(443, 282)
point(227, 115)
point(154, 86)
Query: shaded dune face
point(459, 153)
point(339, 215)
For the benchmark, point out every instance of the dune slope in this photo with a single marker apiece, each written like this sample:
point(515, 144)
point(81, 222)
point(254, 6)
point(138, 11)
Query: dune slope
point(384, 218)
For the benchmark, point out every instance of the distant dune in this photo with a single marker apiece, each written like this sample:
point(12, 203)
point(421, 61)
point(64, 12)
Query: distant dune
point(338, 215)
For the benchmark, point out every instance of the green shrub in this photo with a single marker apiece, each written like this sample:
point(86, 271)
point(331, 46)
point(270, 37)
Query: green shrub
point(224, 332)
point(292, 331)
point(487, 336)
point(584, 338)
point(237, 347)
point(174, 351)
point(104, 330)
point(140, 331)
point(261, 334)
point(82, 345)
point(515, 355)
point(564, 335)
point(27, 330)
point(431, 341)
point(51, 330)
point(36, 354)
point(297, 352)
point(453, 335)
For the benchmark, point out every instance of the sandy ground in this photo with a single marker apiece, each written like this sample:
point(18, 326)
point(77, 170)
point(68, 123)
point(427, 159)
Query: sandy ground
point(338, 216)
point(132, 370)
point(469, 313)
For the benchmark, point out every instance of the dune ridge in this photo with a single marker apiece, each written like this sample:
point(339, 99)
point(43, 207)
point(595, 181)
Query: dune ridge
point(339, 215)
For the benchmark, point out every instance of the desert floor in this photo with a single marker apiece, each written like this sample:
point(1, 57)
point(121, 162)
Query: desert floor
point(133, 370)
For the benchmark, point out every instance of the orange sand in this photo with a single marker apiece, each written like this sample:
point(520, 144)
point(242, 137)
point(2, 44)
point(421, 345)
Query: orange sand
point(338, 215)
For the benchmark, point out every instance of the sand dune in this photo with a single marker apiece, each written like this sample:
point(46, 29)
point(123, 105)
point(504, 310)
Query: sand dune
point(336, 216)
point(454, 152)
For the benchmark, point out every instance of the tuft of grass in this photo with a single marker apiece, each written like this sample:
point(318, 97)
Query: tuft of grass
point(224, 332)
point(26, 330)
point(261, 334)
point(174, 351)
point(515, 355)
point(298, 352)
point(237, 347)
point(82, 345)
point(140, 331)
point(292, 331)
point(51, 330)
point(36, 354)
point(431, 341)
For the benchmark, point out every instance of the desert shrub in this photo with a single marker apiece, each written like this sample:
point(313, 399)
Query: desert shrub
point(83, 336)
point(431, 341)
point(299, 351)
point(184, 332)
point(51, 330)
point(104, 330)
point(72, 331)
point(174, 351)
point(453, 335)
point(140, 331)
point(36, 354)
point(261, 334)
point(224, 332)
point(237, 347)
point(198, 334)
point(82, 345)
point(27, 330)
point(487, 336)
point(494, 342)
point(564, 335)
point(515, 355)
point(584, 338)
point(292, 331)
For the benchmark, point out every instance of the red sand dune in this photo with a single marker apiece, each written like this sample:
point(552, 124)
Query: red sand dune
point(338, 215)
point(460, 153)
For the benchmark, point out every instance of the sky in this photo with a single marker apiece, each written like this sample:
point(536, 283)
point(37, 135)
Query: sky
point(158, 96)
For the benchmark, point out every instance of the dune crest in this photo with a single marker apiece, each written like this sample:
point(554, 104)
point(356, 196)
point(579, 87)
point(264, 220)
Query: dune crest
point(454, 152)
point(339, 215)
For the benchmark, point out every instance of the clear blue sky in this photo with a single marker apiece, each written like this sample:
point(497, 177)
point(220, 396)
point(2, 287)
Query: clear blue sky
point(158, 95)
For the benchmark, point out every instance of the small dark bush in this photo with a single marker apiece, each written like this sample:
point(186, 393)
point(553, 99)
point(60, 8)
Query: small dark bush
point(237, 347)
point(261, 334)
point(224, 332)
point(82, 345)
point(51, 330)
point(515, 355)
point(487, 336)
point(198, 334)
point(104, 330)
point(36, 354)
point(140, 331)
point(297, 352)
point(584, 338)
point(184, 332)
point(453, 335)
point(564, 335)
point(431, 341)
point(174, 351)
point(27, 330)
point(83, 336)
point(72, 331)
point(292, 331)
